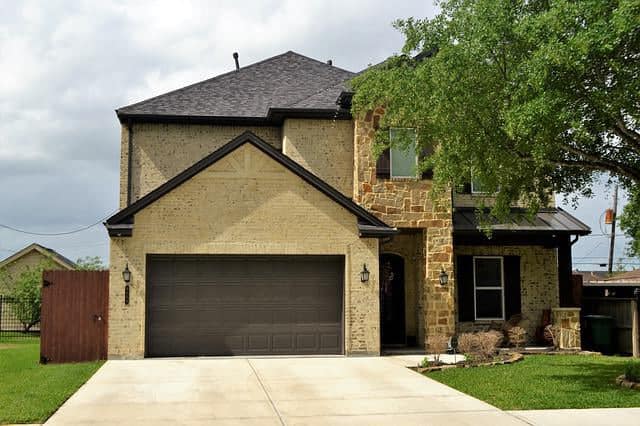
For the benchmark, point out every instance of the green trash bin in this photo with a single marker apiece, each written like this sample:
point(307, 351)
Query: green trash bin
point(600, 329)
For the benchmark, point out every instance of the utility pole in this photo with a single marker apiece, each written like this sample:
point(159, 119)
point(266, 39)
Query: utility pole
point(613, 227)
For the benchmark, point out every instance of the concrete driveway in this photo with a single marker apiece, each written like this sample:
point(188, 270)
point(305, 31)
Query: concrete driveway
point(270, 391)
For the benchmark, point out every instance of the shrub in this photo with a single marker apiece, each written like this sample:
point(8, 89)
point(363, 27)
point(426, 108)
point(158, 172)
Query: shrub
point(467, 343)
point(517, 336)
point(488, 343)
point(438, 344)
point(425, 362)
point(552, 333)
point(632, 371)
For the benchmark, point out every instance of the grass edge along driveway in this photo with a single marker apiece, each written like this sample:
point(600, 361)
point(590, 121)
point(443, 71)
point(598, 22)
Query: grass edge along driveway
point(31, 392)
point(545, 382)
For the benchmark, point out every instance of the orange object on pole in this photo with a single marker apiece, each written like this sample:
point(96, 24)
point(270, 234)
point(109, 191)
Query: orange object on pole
point(608, 216)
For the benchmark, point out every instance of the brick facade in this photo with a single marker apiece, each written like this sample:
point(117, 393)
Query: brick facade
point(161, 151)
point(252, 204)
point(324, 147)
point(251, 196)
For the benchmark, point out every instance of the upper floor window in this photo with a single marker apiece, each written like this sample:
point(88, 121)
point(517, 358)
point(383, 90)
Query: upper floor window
point(402, 160)
point(478, 188)
point(403, 153)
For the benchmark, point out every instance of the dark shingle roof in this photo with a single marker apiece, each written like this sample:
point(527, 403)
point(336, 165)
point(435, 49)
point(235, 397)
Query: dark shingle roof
point(287, 81)
point(552, 220)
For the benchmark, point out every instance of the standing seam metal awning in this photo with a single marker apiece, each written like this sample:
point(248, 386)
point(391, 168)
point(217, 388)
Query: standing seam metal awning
point(548, 220)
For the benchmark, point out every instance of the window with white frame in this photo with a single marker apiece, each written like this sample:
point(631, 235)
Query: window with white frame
point(488, 283)
point(477, 187)
point(404, 158)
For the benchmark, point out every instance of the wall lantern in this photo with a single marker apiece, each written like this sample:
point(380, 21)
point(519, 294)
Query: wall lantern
point(444, 278)
point(126, 274)
point(364, 275)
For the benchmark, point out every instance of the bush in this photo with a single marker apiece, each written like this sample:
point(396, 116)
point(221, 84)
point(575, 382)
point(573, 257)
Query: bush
point(632, 371)
point(438, 344)
point(517, 336)
point(488, 343)
point(425, 362)
point(467, 343)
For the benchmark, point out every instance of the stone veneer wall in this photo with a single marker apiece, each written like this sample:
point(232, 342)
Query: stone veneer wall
point(324, 147)
point(566, 321)
point(161, 151)
point(538, 282)
point(245, 203)
point(408, 203)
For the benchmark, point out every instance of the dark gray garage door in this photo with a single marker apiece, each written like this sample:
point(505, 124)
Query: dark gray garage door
point(244, 305)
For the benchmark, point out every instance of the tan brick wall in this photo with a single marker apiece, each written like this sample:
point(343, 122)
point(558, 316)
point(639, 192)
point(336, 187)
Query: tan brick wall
point(538, 281)
point(245, 203)
point(161, 151)
point(324, 147)
point(410, 203)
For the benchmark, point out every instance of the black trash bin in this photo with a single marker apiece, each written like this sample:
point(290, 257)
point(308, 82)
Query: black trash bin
point(600, 332)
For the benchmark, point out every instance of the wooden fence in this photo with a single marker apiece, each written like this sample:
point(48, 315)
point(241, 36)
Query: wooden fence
point(73, 324)
point(624, 312)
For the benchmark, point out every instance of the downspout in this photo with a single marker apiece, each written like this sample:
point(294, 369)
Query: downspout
point(129, 162)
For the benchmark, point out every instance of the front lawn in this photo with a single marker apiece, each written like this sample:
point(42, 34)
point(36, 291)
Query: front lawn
point(545, 381)
point(30, 392)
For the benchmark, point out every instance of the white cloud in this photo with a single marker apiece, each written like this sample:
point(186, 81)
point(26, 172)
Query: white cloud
point(66, 65)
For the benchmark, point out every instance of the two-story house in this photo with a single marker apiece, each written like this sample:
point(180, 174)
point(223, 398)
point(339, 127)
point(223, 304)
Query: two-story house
point(255, 219)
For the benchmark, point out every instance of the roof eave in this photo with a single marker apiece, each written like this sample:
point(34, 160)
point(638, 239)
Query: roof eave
point(275, 116)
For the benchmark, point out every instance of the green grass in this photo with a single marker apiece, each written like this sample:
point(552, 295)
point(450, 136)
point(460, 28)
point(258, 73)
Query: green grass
point(30, 392)
point(545, 382)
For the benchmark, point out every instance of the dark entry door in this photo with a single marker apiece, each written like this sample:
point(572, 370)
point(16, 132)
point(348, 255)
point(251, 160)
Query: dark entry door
point(392, 309)
point(244, 305)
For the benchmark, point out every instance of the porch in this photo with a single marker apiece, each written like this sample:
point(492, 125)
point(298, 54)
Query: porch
point(520, 274)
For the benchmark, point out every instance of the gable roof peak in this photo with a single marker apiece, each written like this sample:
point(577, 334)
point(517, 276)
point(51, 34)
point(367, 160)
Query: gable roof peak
point(121, 223)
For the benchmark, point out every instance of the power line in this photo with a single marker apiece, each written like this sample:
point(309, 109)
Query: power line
point(56, 234)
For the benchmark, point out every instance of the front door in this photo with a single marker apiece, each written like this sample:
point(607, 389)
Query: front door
point(392, 310)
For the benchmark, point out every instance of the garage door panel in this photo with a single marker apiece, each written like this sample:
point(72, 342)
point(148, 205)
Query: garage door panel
point(226, 305)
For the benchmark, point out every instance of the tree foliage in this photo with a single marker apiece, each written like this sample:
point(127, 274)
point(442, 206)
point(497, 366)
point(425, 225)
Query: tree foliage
point(27, 296)
point(90, 263)
point(530, 96)
point(630, 221)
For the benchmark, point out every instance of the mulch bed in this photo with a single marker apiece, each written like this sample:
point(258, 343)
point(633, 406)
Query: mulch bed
point(622, 381)
point(502, 359)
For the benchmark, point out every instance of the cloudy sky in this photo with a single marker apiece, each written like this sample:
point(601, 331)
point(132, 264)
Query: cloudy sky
point(65, 66)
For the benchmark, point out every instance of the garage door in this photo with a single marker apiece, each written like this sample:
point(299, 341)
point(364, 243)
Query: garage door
point(244, 305)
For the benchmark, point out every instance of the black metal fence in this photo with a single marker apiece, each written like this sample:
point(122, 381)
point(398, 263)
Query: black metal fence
point(18, 318)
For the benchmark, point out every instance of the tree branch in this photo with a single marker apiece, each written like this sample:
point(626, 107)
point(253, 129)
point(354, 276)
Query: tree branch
point(602, 163)
point(628, 135)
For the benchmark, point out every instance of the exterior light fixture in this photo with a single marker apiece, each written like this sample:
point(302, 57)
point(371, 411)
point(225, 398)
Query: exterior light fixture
point(126, 274)
point(364, 275)
point(444, 277)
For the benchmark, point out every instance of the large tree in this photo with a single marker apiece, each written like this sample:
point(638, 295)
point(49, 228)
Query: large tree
point(530, 97)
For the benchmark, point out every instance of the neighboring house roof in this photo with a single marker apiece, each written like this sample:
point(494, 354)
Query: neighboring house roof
point(550, 220)
point(121, 223)
point(286, 84)
point(588, 276)
point(45, 251)
point(622, 279)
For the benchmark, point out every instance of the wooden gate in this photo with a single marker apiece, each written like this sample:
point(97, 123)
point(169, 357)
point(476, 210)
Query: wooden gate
point(73, 320)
